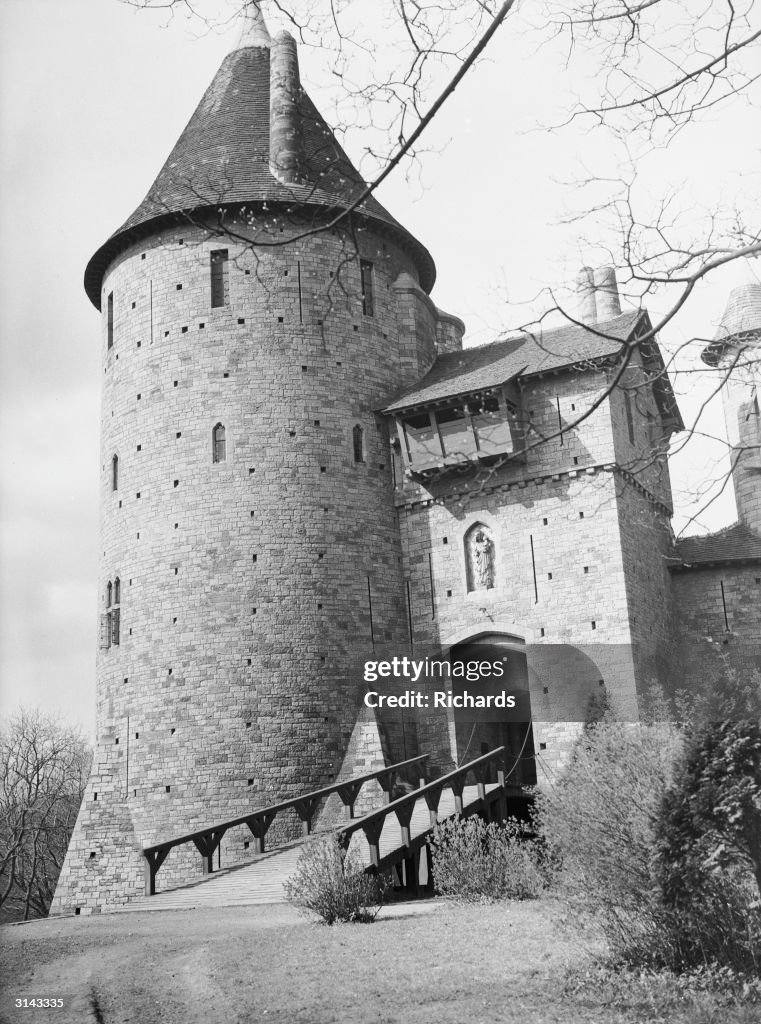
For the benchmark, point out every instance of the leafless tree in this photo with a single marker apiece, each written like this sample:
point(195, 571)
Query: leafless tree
point(659, 68)
point(44, 768)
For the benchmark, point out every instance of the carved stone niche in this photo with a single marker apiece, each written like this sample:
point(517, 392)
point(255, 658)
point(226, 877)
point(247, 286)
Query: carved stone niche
point(480, 563)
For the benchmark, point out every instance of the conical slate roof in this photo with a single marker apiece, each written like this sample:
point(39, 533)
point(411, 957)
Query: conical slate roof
point(222, 159)
point(741, 323)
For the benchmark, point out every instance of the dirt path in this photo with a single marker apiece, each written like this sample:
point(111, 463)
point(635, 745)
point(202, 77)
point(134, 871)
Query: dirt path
point(441, 963)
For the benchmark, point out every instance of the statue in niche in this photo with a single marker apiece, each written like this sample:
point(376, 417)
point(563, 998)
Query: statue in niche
point(481, 559)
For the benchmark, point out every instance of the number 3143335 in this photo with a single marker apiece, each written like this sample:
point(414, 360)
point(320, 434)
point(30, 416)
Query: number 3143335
point(44, 1003)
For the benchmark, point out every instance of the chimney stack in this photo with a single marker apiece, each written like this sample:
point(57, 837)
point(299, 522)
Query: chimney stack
point(606, 288)
point(285, 90)
point(585, 292)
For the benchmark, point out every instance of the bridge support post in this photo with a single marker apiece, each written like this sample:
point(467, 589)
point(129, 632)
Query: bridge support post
point(501, 804)
point(410, 873)
point(258, 824)
point(424, 870)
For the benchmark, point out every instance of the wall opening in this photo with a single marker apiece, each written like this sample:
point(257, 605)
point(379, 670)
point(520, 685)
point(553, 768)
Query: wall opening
point(366, 286)
point(218, 443)
point(480, 730)
point(218, 277)
point(110, 320)
point(358, 443)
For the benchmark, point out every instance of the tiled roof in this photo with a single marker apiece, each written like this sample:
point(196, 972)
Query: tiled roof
point(222, 158)
point(487, 366)
point(737, 543)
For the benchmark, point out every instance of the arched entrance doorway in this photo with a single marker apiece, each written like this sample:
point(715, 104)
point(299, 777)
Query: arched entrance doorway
point(480, 729)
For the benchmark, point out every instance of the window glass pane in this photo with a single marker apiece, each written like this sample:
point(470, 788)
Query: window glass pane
point(218, 271)
point(218, 443)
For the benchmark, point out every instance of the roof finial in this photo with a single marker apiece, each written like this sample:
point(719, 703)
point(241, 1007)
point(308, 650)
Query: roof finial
point(254, 30)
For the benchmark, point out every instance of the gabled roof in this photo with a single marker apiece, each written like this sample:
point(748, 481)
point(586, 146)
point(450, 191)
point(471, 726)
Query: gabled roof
point(487, 366)
point(737, 543)
point(222, 159)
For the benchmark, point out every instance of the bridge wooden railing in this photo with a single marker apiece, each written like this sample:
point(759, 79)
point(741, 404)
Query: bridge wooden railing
point(372, 824)
point(258, 821)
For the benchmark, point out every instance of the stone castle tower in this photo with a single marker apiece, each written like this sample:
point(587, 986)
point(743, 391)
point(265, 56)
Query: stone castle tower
point(249, 545)
point(737, 350)
point(717, 582)
point(301, 468)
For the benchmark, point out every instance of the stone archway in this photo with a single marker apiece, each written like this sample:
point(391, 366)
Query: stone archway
point(478, 730)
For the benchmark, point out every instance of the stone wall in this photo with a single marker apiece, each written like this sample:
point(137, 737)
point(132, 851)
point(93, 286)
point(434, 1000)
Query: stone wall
point(718, 620)
point(560, 584)
point(246, 584)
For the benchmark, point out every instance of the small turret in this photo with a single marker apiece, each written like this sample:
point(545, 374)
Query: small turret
point(597, 295)
point(736, 349)
point(254, 31)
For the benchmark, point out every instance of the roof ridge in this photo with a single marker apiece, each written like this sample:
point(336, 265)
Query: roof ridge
point(522, 334)
point(481, 367)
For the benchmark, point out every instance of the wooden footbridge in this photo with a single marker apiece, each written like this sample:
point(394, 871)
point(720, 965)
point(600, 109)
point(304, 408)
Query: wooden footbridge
point(393, 836)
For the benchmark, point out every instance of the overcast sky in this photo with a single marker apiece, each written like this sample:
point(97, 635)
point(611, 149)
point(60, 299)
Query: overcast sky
point(94, 95)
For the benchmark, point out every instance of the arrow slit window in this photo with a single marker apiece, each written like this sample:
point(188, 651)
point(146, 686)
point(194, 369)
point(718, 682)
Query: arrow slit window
point(110, 320)
point(366, 286)
point(219, 277)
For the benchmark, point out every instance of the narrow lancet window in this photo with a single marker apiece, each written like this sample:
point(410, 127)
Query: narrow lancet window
point(115, 473)
point(218, 271)
point(116, 612)
point(358, 442)
point(110, 320)
point(629, 416)
point(366, 285)
point(110, 625)
point(218, 444)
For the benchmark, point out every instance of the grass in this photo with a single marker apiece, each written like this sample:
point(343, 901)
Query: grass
point(418, 964)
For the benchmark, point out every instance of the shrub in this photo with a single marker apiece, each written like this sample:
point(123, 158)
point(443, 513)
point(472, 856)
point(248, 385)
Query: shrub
point(657, 833)
point(334, 885)
point(708, 860)
point(599, 824)
point(474, 861)
point(705, 994)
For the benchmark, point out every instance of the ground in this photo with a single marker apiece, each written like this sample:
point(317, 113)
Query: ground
point(428, 963)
